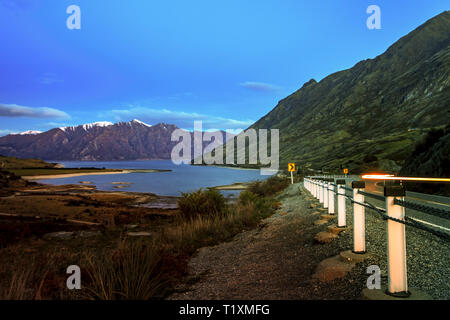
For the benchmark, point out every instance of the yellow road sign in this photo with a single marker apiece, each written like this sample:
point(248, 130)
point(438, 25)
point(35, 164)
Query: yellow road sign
point(291, 167)
point(345, 170)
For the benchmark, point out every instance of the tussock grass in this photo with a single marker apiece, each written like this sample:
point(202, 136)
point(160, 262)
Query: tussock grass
point(132, 271)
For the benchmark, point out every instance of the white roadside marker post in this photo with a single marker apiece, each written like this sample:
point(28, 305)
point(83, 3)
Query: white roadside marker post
point(325, 194)
point(341, 204)
point(331, 198)
point(315, 189)
point(321, 191)
point(396, 243)
point(359, 233)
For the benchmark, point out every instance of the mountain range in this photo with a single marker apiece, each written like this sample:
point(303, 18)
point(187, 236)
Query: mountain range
point(368, 117)
point(99, 141)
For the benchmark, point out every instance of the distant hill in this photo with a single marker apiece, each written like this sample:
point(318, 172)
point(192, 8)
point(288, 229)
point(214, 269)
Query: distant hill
point(370, 116)
point(104, 141)
point(7, 163)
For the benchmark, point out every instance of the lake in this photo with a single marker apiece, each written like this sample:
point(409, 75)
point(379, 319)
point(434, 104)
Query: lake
point(182, 178)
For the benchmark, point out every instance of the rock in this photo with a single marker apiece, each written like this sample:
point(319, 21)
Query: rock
point(350, 257)
point(332, 268)
point(60, 235)
point(328, 216)
point(324, 237)
point(131, 226)
point(68, 235)
point(88, 234)
point(320, 222)
point(312, 206)
point(336, 230)
point(139, 234)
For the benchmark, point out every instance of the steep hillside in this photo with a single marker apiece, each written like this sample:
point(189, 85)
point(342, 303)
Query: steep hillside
point(430, 158)
point(372, 115)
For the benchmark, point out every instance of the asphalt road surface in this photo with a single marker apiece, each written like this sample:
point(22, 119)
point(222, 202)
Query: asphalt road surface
point(440, 202)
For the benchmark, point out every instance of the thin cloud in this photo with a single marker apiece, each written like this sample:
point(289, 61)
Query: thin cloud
point(49, 78)
point(259, 86)
point(16, 111)
point(180, 118)
point(5, 132)
point(17, 5)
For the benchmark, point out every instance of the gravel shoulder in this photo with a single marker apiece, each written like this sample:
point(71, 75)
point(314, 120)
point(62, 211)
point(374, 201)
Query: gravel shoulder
point(277, 259)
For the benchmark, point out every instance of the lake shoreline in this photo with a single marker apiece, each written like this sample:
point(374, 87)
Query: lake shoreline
point(70, 175)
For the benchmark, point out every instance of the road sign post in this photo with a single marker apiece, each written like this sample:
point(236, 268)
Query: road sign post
point(291, 169)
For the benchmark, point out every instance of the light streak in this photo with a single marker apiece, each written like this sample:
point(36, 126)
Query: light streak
point(392, 177)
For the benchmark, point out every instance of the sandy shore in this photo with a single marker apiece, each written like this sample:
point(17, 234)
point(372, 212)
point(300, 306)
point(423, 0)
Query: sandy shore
point(68, 175)
point(235, 186)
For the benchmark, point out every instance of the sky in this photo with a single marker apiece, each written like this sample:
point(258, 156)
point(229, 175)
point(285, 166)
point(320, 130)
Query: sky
point(226, 63)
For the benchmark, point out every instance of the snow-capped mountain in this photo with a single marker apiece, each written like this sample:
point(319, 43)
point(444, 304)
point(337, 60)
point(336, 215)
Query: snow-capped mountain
point(88, 126)
point(94, 141)
point(30, 132)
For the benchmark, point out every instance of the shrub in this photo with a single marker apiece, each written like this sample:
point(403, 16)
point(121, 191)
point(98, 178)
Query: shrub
point(207, 202)
point(269, 187)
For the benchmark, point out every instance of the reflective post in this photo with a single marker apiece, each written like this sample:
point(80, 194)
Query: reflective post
point(341, 203)
point(331, 198)
point(325, 194)
point(396, 243)
point(321, 191)
point(359, 233)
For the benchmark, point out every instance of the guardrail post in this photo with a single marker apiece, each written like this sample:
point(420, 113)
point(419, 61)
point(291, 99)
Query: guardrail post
point(359, 232)
point(341, 203)
point(313, 188)
point(331, 198)
point(396, 248)
point(321, 191)
point(325, 194)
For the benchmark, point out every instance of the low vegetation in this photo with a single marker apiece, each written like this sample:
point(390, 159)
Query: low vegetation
point(116, 266)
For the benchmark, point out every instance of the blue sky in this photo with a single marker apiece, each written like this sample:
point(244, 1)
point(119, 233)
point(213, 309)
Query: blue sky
point(227, 63)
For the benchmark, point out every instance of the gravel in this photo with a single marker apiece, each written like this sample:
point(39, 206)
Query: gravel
point(277, 260)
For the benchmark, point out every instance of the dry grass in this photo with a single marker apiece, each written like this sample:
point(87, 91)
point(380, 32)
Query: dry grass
point(129, 268)
point(132, 271)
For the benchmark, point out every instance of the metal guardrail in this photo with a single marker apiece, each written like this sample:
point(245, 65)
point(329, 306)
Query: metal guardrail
point(325, 188)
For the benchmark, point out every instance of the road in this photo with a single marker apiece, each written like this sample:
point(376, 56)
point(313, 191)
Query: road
point(440, 202)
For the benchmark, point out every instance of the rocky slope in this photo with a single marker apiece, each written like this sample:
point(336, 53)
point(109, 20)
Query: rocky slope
point(372, 115)
point(431, 158)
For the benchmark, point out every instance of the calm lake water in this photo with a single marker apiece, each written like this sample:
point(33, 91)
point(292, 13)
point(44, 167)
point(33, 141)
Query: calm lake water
point(182, 178)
